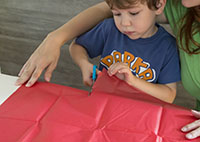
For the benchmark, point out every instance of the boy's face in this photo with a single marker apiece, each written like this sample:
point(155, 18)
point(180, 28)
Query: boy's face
point(136, 22)
point(190, 3)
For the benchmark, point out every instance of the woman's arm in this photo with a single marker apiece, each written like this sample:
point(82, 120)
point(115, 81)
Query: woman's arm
point(83, 22)
point(47, 54)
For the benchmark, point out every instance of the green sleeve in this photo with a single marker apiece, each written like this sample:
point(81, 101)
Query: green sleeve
point(174, 11)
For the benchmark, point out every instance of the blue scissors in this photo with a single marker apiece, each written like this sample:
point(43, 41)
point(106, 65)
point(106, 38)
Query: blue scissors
point(94, 77)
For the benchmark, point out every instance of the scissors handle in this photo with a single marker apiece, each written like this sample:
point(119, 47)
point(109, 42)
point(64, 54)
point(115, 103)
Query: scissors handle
point(94, 76)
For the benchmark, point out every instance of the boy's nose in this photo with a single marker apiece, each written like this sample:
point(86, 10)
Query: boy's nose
point(125, 22)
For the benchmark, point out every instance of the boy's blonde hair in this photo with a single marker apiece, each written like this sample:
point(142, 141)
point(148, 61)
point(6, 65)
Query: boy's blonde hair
point(124, 4)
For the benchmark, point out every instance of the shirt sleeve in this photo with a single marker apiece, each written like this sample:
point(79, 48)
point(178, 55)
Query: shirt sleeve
point(93, 41)
point(170, 71)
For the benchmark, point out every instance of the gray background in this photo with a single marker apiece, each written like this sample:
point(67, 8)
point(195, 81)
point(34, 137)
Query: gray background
point(25, 23)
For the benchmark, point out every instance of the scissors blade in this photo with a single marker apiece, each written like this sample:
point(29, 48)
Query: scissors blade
point(90, 91)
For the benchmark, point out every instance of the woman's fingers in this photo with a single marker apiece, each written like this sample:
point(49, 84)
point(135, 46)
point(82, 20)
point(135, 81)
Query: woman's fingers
point(34, 77)
point(196, 113)
point(194, 127)
point(49, 71)
point(191, 126)
point(194, 134)
point(25, 73)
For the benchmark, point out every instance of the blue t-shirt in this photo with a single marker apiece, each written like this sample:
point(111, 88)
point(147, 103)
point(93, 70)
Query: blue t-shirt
point(154, 59)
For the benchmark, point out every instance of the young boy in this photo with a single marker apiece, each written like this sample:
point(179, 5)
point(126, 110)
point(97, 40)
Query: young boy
point(132, 47)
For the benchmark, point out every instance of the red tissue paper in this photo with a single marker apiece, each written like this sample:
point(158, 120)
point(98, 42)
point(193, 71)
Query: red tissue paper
point(115, 112)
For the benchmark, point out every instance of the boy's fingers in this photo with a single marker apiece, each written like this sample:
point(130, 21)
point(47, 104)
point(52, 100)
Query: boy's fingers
point(193, 134)
point(123, 70)
point(113, 69)
point(87, 79)
point(87, 82)
point(98, 71)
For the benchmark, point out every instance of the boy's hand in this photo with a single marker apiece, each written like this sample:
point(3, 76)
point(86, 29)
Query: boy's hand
point(193, 128)
point(44, 57)
point(87, 71)
point(122, 71)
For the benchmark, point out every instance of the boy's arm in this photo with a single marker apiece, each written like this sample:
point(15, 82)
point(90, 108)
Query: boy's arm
point(47, 54)
point(78, 54)
point(80, 57)
point(164, 92)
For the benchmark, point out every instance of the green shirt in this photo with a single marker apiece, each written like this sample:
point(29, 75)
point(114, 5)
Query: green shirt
point(190, 64)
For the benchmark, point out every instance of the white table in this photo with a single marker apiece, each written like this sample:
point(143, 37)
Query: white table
point(7, 86)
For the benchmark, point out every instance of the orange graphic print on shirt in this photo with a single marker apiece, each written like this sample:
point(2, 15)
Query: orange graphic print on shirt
point(137, 65)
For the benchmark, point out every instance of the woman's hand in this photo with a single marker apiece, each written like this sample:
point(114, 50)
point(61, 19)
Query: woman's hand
point(193, 128)
point(44, 57)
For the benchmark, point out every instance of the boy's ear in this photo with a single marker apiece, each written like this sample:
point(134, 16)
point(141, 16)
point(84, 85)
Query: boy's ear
point(160, 5)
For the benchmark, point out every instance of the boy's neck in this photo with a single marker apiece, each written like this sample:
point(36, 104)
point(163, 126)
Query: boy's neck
point(152, 31)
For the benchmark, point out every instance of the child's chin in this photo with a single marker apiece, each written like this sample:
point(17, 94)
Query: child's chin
point(134, 37)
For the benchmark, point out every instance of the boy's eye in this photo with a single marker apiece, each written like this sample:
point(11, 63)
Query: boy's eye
point(134, 13)
point(116, 14)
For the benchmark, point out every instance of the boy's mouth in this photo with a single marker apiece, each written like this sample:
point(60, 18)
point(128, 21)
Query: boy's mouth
point(128, 32)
